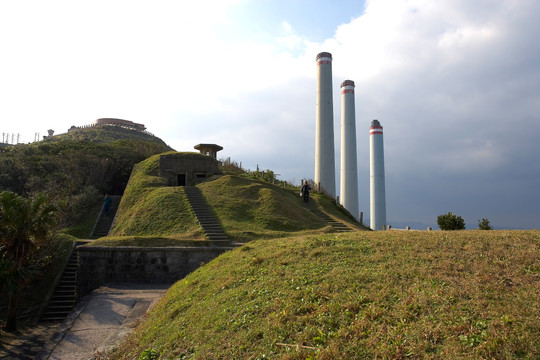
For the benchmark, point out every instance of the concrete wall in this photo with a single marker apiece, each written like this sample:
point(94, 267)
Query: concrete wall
point(101, 265)
point(190, 165)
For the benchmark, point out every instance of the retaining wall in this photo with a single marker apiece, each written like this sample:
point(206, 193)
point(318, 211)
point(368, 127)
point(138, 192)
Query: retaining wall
point(101, 265)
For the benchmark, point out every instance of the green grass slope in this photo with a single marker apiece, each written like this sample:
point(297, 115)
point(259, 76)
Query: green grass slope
point(362, 295)
point(109, 134)
point(77, 168)
point(249, 209)
point(150, 208)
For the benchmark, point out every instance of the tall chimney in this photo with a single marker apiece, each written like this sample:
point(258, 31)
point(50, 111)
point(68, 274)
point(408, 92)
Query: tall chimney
point(377, 201)
point(349, 173)
point(325, 170)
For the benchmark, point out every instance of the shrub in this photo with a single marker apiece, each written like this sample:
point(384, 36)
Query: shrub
point(450, 222)
point(484, 224)
point(149, 354)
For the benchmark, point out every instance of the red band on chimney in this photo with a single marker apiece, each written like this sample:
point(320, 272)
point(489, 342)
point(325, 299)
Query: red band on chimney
point(376, 130)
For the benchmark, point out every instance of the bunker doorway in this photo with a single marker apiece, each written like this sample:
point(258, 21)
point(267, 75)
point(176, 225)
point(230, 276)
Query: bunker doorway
point(181, 179)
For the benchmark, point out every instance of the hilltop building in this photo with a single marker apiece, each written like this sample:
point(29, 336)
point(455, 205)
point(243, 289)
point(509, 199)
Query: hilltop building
point(127, 124)
point(121, 123)
point(183, 169)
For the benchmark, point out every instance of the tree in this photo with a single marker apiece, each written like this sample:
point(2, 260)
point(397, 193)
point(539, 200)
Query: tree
point(450, 222)
point(26, 225)
point(484, 224)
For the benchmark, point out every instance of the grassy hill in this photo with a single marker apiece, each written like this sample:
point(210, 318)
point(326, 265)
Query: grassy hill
point(362, 295)
point(77, 168)
point(150, 208)
point(247, 209)
point(250, 209)
point(108, 134)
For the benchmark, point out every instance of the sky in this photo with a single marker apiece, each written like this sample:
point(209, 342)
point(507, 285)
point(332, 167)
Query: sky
point(454, 83)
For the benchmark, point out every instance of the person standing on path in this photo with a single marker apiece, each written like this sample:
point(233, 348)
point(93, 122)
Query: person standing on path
point(107, 205)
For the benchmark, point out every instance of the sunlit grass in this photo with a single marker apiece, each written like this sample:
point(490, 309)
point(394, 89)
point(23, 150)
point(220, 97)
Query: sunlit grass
point(152, 241)
point(247, 209)
point(451, 295)
point(150, 208)
point(250, 209)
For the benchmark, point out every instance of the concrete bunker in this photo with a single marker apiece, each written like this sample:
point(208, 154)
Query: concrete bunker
point(183, 169)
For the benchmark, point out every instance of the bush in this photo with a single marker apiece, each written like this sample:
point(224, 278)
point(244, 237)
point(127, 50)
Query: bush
point(450, 222)
point(149, 354)
point(484, 224)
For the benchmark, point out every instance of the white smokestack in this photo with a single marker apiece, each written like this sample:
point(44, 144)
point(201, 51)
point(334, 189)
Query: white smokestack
point(377, 196)
point(349, 173)
point(325, 170)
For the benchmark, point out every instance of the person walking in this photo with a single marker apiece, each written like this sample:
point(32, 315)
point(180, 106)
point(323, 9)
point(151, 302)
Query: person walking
point(107, 205)
point(305, 191)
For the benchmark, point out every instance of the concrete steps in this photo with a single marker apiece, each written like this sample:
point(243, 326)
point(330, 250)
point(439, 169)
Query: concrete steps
point(209, 223)
point(338, 226)
point(64, 297)
point(104, 222)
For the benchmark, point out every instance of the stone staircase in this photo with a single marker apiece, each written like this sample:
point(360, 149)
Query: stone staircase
point(338, 226)
point(209, 223)
point(64, 297)
point(104, 222)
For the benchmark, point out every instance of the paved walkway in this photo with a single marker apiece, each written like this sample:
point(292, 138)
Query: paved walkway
point(101, 319)
point(27, 342)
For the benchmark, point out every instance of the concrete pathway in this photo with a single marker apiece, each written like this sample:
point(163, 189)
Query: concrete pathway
point(27, 342)
point(101, 320)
